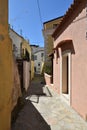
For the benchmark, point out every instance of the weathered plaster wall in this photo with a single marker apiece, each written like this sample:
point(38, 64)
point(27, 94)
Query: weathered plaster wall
point(26, 74)
point(56, 73)
point(16, 42)
point(16, 89)
point(47, 33)
point(6, 77)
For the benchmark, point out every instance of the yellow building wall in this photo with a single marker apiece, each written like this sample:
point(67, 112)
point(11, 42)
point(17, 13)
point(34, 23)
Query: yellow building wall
point(6, 77)
point(25, 45)
point(49, 25)
point(48, 30)
point(42, 67)
point(49, 44)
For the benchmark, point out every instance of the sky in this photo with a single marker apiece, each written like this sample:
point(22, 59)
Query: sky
point(26, 17)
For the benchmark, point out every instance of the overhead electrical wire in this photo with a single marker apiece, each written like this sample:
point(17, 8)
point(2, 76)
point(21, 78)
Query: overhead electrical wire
point(39, 12)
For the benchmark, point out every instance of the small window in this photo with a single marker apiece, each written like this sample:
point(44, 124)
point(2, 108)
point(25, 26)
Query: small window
point(38, 64)
point(42, 54)
point(55, 25)
point(15, 48)
point(35, 57)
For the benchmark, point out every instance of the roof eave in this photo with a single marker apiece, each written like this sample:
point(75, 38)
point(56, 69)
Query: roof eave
point(66, 16)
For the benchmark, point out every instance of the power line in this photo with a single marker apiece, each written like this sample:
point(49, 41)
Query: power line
point(39, 12)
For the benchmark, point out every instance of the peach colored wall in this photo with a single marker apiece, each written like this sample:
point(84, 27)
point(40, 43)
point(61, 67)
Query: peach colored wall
point(64, 75)
point(77, 32)
point(56, 73)
point(16, 89)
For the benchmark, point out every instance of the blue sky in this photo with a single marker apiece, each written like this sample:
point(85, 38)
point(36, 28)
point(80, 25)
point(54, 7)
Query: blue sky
point(24, 15)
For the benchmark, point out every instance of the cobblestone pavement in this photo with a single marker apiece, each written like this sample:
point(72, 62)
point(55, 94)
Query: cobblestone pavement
point(44, 110)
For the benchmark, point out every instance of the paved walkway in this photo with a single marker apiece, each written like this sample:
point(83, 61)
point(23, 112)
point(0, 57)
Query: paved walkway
point(44, 110)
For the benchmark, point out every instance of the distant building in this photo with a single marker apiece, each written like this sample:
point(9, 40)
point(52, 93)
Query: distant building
point(49, 27)
point(38, 56)
point(39, 61)
point(34, 48)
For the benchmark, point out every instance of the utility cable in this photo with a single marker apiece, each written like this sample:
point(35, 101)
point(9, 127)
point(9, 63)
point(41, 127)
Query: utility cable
point(39, 12)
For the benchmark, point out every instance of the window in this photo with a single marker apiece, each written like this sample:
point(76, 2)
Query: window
point(35, 57)
point(32, 57)
point(15, 48)
point(23, 51)
point(38, 64)
point(27, 55)
point(42, 54)
point(55, 25)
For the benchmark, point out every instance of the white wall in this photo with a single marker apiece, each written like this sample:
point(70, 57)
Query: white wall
point(40, 60)
point(16, 40)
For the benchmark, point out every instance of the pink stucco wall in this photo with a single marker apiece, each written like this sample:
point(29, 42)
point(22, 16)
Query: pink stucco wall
point(76, 31)
point(56, 73)
point(48, 79)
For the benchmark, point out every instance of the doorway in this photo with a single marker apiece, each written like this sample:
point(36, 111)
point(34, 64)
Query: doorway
point(66, 78)
point(65, 71)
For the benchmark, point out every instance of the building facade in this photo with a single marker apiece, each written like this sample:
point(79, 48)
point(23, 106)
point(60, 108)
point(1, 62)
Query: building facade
point(70, 57)
point(16, 43)
point(26, 56)
point(38, 58)
point(22, 54)
point(6, 67)
point(48, 29)
point(39, 61)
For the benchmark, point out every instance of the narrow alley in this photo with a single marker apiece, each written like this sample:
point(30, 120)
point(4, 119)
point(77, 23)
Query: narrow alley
point(43, 65)
point(44, 110)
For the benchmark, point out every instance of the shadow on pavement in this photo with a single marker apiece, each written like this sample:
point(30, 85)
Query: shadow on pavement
point(29, 118)
point(37, 89)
